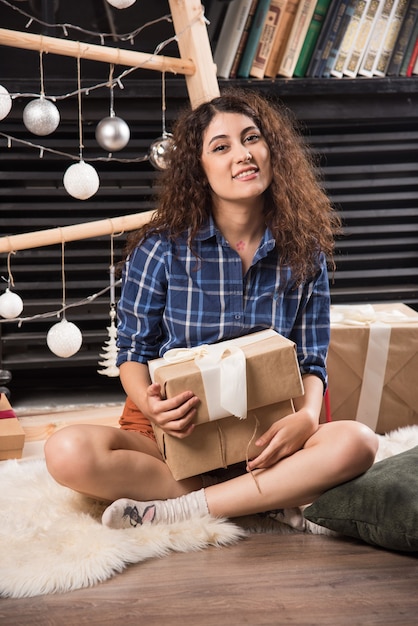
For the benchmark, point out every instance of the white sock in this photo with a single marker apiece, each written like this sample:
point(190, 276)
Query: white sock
point(125, 513)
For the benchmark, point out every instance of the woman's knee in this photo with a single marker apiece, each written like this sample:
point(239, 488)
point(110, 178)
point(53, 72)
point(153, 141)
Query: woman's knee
point(355, 446)
point(68, 453)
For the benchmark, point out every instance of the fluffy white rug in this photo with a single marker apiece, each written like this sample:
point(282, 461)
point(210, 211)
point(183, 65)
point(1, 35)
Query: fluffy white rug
point(51, 538)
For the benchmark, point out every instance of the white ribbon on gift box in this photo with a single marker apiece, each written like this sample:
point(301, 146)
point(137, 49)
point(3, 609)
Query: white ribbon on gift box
point(377, 353)
point(223, 370)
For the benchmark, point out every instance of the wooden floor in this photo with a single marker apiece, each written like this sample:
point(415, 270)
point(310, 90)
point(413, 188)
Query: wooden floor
point(298, 580)
point(265, 579)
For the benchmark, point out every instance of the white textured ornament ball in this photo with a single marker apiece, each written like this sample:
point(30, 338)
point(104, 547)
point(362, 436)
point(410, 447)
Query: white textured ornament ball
point(121, 4)
point(5, 102)
point(81, 180)
point(41, 117)
point(64, 339)
point(11, 305)
point(159, 149)
point(112, 133)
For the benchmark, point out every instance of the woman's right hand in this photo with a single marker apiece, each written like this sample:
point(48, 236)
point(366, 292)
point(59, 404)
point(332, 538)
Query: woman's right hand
point(174, 415)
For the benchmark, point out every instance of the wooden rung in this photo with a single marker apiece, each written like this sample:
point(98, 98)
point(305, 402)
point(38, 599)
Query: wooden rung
point(92, 52)
point(87, 230)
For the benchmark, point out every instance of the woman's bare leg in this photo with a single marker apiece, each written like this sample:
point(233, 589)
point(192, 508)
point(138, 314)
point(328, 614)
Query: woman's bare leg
point(110, 463)
point(337, 452)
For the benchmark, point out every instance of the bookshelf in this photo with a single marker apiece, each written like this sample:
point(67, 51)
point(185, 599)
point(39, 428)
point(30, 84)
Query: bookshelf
point(317, 38)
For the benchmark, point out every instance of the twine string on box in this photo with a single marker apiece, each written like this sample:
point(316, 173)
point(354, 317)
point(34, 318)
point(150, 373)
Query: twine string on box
point(221, 445)
point(257, 424)
point(222, 449)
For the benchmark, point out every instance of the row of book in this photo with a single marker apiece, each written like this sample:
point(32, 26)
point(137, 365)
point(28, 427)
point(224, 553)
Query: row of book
point(314, 38)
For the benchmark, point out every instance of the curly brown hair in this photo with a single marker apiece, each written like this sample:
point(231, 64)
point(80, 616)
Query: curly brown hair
point(296, 207)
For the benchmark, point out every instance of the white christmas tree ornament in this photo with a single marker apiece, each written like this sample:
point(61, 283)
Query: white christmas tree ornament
point(11, 305)
point(81, 180)
point(64, 339)
point(5, 102)
point(110, 351)
point(121, 4)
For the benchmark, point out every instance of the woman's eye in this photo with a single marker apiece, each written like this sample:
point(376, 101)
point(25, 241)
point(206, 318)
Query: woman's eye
point(220, 148)
point(252, 138)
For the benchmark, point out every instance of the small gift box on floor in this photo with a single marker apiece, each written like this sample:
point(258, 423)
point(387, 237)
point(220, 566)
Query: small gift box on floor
point(244, 386)
point(12, 436)
point(372, 365)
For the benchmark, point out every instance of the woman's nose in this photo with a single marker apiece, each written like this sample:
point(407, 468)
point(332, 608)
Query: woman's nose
point(244, 156)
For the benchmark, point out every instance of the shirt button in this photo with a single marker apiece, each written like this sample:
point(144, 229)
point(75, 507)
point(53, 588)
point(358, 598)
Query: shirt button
point(237, 317)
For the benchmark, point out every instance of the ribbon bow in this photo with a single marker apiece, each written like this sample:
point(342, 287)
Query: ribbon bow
point(178, 355)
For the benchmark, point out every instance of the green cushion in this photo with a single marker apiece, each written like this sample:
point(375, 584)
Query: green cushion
point(379, 507)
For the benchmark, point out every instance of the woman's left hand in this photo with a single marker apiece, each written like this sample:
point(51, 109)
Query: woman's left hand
point(283, 438)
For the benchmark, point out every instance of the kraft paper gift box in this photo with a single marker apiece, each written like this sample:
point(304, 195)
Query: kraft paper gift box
point(12, 436)
point(244, 386)
point(373, 365)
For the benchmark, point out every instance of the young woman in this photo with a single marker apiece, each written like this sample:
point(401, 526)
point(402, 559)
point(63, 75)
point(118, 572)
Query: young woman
point(239, 243)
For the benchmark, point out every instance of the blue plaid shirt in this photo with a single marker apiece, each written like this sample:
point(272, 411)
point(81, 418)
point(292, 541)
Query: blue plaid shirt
point(171, 298)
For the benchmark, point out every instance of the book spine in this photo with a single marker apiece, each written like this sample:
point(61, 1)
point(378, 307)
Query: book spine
point(394, 26)
point(409, 50)
point(348, 40)
point(316, 57)
point(311, 38)
point(337, 39)
point(243, 40)
point(363, 36)
point(411, 69)
point(330, 39)
point(376, 40)
point(253, 37)
point(281, 37)
point(403, 38)
point(296, 38)
point(215, 16)
point(415, 68)
point(265, 43)
point(230, 36)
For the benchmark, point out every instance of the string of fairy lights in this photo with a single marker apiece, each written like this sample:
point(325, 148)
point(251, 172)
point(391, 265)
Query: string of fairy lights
point(41, 117)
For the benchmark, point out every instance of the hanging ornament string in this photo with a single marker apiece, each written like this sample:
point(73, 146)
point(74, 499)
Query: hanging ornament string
point(112, 271)
point(80, 119)
point(10, 280)
point(112, 133)
point(161, 146)
point(64, 338)
point(41, 116)
point(11, 304)
point(163, 103)
point(41, 71)
point(81, 179)
point(63, 283)
point(111, 88)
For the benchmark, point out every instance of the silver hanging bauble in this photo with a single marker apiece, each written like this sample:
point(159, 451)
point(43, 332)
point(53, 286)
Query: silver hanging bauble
point(81, 180)
point(112, 133)
point(121, 4)
point(41, 117)
point(5, 102)
point(159, 149)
